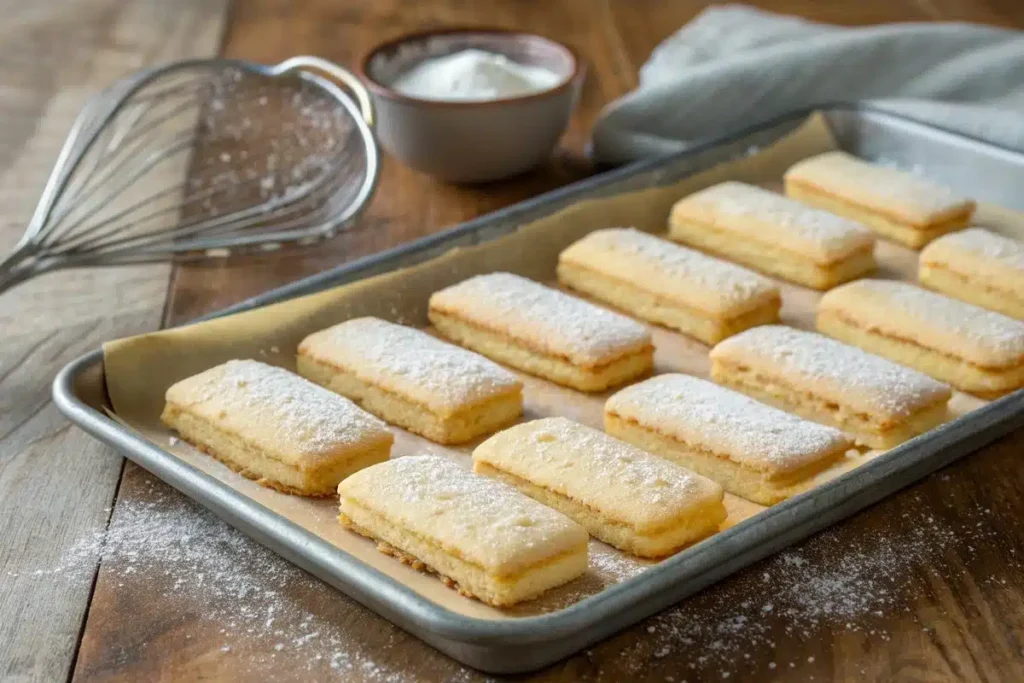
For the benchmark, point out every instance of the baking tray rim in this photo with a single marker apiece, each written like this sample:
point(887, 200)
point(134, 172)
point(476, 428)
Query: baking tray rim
point(425, 614)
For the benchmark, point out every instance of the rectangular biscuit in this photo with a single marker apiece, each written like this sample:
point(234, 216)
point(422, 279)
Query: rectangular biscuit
point(895, 204)
point(753, 450)
point(979, 267)
point(880, 403)
point(543, 331)
point(976, 350)
point(275, 427)
point(485, 539)
point(669, 284)
point(775, 235)
point(624, 496)
point(411, 379)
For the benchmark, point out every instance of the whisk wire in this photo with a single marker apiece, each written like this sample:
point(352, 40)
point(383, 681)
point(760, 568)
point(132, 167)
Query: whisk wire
point(201, 157)
point(129, 169)
point(123, 147)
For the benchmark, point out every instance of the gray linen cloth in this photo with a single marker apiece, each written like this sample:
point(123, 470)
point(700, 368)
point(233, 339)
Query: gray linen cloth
point(734, 66)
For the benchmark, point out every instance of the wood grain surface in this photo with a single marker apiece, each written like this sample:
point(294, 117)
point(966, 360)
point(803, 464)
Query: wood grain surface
point(925, 586)
point(57, 484)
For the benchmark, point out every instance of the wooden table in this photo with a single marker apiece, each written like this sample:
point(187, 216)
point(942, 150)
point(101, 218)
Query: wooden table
point(927, 585)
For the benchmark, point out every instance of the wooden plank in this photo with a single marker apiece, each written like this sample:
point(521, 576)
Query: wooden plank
point(56, 483)
point(1004, 13)
point(924, 586)
point(56, 488)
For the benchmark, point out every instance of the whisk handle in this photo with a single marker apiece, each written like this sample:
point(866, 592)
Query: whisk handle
point(336, 73)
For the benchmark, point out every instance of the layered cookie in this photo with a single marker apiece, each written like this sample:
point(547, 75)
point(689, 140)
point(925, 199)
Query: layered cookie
point(897, 205)
point(879, 402)
point(753, 450)
point(275, 427)
point(979, 267)
point(543, 331)
point(669, 284)
point(976, 350)
point(412, 379)
point(622, 495)
point(773, 234)
point(485, 539)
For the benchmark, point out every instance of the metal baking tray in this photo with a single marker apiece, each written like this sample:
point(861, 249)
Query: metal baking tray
point(987, 172)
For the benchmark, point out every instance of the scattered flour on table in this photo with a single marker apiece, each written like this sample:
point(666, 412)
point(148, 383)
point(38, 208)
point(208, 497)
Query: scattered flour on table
point(242, 588)
point(825, 584)
point(237, 585)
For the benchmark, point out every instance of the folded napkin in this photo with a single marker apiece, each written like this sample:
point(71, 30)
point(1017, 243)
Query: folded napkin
point(735, 66)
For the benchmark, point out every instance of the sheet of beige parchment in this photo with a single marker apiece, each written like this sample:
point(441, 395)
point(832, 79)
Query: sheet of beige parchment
point(139, 369)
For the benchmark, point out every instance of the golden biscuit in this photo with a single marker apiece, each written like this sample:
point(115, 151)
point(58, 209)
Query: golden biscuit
point(979, 267)
point(275, 427)
point(879, 402)
point(669, 284)
point(483, 538)
point(753, 450)
point(412, 379)
point(903, 207)
point(542, 331)
point(624, 496)
point(773, 234)
point(975, 350)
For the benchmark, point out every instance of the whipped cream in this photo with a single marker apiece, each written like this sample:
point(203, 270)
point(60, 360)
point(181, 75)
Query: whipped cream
point(473, 76)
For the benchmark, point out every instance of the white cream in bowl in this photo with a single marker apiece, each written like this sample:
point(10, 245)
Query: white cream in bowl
point(473, 75)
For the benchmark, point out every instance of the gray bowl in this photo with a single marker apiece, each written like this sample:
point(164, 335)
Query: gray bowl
point(469, 142)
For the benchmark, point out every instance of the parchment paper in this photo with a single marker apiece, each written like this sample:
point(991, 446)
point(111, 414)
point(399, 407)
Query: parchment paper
point(139, 369)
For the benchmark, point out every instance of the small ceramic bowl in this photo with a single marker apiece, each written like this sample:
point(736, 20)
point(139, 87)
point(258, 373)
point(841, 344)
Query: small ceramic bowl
point(469, 142)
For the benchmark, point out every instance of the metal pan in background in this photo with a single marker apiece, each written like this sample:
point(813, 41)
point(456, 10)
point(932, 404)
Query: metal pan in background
point(989, 173)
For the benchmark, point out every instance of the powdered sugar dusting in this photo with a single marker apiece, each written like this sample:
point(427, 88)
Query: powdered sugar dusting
point(878, 187)
point(840, 372)
point(979, 241)
point(671, 270)
point(491, 524)
point(613, 566)
point(827, 586)
point(252, 601)
point(705, 415)
point(603, 473)
point(293, 415)
point(255, 611)
point(747, 209)
point(932, 320)
point(557, 322)
point(410, 362)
